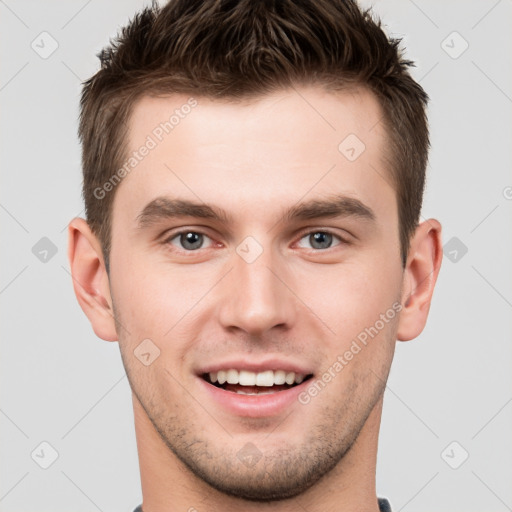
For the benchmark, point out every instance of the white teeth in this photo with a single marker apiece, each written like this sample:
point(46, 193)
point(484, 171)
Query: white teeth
point(279, 377)
point(267, 378)
point(232, 377)
point(221, 376)
point(240, 392)
point(246, 378)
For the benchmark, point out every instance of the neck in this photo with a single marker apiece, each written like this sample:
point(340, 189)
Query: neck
point(169, 486)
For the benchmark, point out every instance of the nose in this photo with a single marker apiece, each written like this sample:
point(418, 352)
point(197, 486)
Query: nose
point(256, 297)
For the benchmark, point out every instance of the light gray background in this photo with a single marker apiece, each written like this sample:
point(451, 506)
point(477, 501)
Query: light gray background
point(63, 385)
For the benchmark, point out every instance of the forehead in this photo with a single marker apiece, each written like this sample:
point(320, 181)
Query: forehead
point(309, 110)
point(267, 150)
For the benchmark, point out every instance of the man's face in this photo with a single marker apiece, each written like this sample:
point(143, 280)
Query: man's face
point(258, 291)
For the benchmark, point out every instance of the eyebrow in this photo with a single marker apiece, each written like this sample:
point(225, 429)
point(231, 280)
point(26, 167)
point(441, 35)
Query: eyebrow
point(165, 208)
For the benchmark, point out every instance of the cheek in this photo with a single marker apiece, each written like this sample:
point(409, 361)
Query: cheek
point(157, 301)
point(348, 297)
point(355, 297)
point(142, 299)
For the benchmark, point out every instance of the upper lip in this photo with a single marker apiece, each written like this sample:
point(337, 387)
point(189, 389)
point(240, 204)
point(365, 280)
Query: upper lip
point(256, 366)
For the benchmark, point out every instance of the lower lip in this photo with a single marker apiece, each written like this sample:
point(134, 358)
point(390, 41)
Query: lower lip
point(254, 406)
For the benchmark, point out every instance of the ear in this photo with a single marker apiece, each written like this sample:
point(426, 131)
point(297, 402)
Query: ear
point(420, 276)
point(90, 279)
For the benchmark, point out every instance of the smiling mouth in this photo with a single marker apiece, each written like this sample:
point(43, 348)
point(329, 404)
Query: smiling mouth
point(244, 383)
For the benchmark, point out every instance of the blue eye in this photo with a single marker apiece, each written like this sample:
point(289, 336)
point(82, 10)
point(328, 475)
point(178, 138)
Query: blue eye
point(320, 240)
point(189, 240)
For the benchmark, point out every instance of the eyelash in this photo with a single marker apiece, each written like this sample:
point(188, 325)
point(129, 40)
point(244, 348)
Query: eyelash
point(342, 240)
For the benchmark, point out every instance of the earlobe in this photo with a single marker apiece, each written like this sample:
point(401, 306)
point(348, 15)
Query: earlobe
point(420, 276)
point(90, 279)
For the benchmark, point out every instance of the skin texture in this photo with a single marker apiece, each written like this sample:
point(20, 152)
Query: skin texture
point(297, 302)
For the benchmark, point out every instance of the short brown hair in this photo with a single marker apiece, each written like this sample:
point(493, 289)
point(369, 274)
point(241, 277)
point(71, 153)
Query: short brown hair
point(236, 49)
